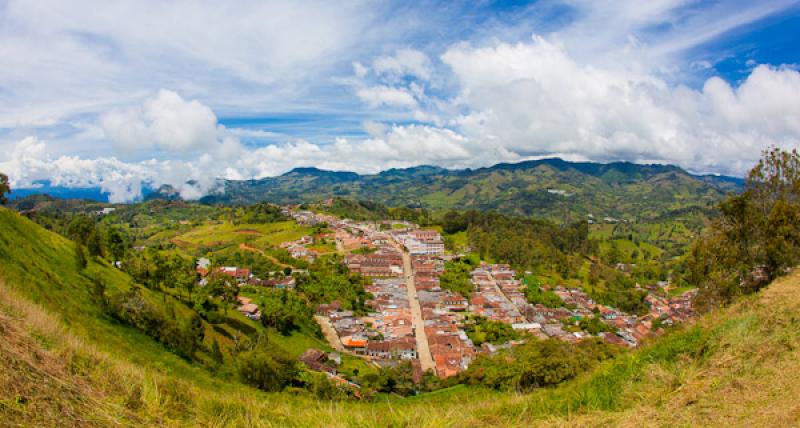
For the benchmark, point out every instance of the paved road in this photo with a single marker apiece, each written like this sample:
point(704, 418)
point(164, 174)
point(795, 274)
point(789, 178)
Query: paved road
point(423, 350)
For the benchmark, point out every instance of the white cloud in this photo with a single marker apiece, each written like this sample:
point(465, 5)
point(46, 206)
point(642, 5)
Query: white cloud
point(534, 98)
point(376, 96)
point(253, 133)
point(388, 147)
point(405, 62)
point(165, 121)
point(602, 86)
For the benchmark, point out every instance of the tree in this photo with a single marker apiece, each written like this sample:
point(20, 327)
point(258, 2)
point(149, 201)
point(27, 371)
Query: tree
point(265, 367)
point(278, 317)
point(5, 188)
point(756, 236)
point(536, 364)
point(220, 285)
point(536, 295)
point(594, 325)
point(80, 257)
point(99, 291)
point(116, 242)
point(83, 230)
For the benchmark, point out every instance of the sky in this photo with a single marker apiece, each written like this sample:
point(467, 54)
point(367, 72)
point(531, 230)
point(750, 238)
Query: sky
point(125, 94)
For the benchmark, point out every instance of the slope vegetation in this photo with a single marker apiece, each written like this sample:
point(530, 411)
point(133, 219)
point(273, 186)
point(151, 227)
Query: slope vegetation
point(62, 362)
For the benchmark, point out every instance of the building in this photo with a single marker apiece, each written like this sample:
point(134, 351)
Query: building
point(404, 348)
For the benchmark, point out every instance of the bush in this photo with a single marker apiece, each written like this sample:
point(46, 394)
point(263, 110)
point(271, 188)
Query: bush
point(266, 368)
point(536, 364)
point(184, 336)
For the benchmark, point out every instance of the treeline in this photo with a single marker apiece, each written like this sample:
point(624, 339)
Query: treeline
point(527, 243)
point(375, 211)
point(259, 213)
point(756, 237)
point(328, 280)
point(182, 335)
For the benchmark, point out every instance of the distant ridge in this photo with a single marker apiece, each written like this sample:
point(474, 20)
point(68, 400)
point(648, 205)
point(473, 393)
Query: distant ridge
point(551, 188)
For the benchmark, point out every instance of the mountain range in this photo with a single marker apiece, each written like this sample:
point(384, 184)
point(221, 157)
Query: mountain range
point(551, 188)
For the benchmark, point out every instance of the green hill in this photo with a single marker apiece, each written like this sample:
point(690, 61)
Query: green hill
point(63, 361)
point(550, 188)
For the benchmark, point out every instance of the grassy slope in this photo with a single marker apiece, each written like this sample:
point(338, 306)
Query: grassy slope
point(60, 359)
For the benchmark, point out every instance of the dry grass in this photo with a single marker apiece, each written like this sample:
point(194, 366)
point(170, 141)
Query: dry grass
point(750, 379)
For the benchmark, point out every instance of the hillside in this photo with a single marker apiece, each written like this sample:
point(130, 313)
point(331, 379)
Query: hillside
point(550, 188)
point(62, 360)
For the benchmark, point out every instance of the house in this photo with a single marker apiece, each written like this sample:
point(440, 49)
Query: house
point(315, 360)
point(355, 343)
point(250, 310)
point(240, 274)
point(455, 302)
point(202, 266)
point(404, 348)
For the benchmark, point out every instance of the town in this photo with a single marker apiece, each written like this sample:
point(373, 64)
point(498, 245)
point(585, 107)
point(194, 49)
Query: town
point(413, 319)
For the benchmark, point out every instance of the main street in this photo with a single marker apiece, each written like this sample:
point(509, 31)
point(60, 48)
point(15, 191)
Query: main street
point(423, 350)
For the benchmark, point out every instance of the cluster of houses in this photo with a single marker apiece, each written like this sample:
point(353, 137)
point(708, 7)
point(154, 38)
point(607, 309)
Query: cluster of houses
point(498, 294)
point(240, 275)
point(420, 242)
point(443, 315)
point(386, 262)
point(299, 249)
point(386, 335)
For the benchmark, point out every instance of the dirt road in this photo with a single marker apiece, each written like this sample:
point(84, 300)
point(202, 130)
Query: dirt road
point(330, 333)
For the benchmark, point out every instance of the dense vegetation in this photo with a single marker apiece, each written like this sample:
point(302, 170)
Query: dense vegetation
point(4, 189)
point(456, 276)
point(536, 364)
point(329, 280)
point(481, 329)
point(538, 296)
point(371, 210)
point(527, 243)
point(756, 237)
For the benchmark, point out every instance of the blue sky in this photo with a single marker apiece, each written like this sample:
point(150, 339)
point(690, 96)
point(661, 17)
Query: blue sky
point(116, 95)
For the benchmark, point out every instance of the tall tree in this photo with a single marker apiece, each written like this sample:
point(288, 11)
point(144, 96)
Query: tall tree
point(757, 235)
point(5, 188)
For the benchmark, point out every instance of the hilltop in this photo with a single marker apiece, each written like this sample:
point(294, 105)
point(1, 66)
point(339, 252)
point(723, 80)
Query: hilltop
point(61, 357)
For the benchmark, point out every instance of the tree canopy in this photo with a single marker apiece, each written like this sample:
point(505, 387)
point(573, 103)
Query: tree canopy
point(5, 188)
point(756, 236)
